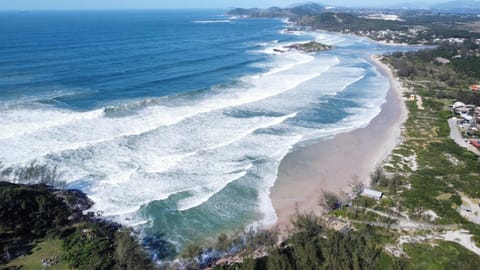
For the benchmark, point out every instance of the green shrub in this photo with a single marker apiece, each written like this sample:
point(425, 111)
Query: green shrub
point(31, 210)
point(90, 247)
point(129, 254)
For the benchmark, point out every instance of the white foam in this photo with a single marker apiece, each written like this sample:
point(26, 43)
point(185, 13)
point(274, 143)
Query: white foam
point(131, 176)
point(188, 151)
point(212, 21)
point(265, 203)
point(20, 122)
point(202, 194)
point(163, 163)
point(71, 135)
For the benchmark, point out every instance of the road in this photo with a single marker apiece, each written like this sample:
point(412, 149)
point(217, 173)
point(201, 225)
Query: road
point(457, 136)
point(402, 222)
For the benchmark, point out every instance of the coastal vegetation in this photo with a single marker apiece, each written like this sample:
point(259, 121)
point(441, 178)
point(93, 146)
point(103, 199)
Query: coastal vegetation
point(310, 245)
point(311, 46)
point(428, 176)
point(443, 166)
point(42, 226)
point(425, 179)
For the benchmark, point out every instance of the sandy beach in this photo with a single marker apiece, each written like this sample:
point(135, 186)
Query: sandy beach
point(331, 164)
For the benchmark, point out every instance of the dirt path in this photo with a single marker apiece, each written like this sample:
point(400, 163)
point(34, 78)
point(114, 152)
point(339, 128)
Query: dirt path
point(420, 103)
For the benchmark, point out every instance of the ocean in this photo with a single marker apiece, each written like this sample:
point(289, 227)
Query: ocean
point(175, 122)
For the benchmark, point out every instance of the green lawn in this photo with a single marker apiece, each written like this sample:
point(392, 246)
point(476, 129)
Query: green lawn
point(47, 248)
point(444, 256)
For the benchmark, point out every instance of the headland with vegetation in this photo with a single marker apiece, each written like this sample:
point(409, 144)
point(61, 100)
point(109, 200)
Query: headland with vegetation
point(43, 226)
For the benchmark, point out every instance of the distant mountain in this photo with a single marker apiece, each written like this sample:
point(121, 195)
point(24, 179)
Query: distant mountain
point(309, 8)
point(303, 4)
point(411, 5)
point(459, 4)
point(451, 5)
point(243, 11)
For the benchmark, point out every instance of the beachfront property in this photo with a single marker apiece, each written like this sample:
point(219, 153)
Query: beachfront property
point(370, 193)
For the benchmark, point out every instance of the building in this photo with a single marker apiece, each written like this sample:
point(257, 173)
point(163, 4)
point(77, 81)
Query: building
point(458, 104)
point(442, 60)
point(467, 118)
point(475, 87)
point(460, 107)
point(462, 110)
point(374, 194)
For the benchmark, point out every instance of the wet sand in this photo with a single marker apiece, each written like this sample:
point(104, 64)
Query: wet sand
point(330, 164)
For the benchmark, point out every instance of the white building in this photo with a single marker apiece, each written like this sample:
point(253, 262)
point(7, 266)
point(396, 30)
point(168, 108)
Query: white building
point(374, 194)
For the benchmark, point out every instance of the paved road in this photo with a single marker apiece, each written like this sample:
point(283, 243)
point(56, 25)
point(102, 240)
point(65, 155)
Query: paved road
point(457, 136)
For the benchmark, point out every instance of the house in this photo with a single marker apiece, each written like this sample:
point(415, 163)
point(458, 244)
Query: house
point(370, 193)
point(458, 104)
point(475, 87)
point(466, 117)
point(442, 60)
point(459, 107)
point(411, 98)
point(462, 110)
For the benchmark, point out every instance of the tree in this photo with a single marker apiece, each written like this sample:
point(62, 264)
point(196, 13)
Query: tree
point(306, 223)
point(444, 76)
point(377, 176)
point(33, 173)
point(129, 254)
point(356, 185)
point(329, 200)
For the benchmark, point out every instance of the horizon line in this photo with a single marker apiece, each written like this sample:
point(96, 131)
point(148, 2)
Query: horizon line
point(112, 9)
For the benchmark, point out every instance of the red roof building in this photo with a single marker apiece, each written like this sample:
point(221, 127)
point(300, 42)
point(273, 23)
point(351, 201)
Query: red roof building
point(474, 87)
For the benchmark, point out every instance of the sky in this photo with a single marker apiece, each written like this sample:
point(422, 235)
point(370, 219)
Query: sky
point(167, 4)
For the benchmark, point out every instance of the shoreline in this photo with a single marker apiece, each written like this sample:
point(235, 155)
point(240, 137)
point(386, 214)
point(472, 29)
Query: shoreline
point(329, 165)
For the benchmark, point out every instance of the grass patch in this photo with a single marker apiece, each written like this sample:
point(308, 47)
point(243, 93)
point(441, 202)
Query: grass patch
point(46, 248)
point(444, 197)
point(445, 255)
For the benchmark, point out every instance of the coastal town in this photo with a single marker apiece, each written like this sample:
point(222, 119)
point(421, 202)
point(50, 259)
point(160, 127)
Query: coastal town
point(468, 122)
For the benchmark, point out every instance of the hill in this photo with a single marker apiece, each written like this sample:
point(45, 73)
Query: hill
point(295, 11)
